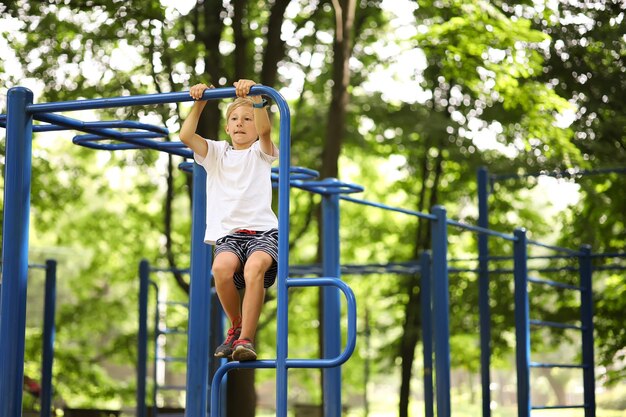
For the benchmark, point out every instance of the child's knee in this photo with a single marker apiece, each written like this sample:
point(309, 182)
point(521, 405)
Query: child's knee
point(257, 265)
point(223, 270)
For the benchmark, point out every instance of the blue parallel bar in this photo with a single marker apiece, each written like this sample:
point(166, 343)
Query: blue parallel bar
point(390, 208)
point(134, 140)
point(554, 324)
point(556, 365)
point(555, 284)
point(559, 407)
point(48, 338)
point(441, 306)
point(78, 125)
point(427, 331)
point(480, 230)
point(554, 248)
point(522, 328)
point(586, 318)
point(142, 337)
point(484, 310)
point(331, 326)
point(17, 183)
point(296, 363)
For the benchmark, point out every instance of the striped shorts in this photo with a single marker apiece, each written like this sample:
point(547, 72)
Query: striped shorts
point(245, 242)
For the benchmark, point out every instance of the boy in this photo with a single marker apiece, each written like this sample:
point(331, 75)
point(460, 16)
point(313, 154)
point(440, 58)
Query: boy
point(240, 220)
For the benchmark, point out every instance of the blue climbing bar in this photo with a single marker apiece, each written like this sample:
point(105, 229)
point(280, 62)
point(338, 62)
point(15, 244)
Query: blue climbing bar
point(199, 303)
point(17, 182)
point(441, 303)
point(48, 338)
point(484, 311)
point(331, 377)
point(142, 337)
point(522, 317)
point(427, 331)
point(586, 320)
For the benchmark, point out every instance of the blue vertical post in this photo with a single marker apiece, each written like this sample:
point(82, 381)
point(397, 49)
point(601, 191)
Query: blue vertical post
point(17, 182)
point(142, 337)
point(586, 319)
point(522, 322)
point(282, 330)
point(484, 310)
point(155, 349)
point(427, 331)
point(441, 308)
point(199, 303)
point(331, 316)
point(48, 338)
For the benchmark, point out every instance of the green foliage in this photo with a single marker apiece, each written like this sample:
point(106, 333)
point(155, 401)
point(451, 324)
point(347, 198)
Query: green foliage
point(513, 70)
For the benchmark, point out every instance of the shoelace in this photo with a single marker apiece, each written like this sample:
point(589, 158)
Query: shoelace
point(231, 334)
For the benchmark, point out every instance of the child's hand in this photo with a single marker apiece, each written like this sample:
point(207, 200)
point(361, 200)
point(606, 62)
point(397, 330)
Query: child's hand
point(197, 90)
point(242, 87)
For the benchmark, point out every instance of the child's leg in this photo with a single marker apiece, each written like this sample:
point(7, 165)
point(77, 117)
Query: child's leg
point(224, 267)
point(254, 273)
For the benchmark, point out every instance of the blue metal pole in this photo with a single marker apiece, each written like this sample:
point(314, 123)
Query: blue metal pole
point(142, 337)
point(441, 307)
point(48, 338)
point(427, 332)
point(17, 182)
point(282, 331)
point(199, 303)
point(586, 319)
point(155, 349)
point(331, 314)
point(484, 310)
point(522, 322)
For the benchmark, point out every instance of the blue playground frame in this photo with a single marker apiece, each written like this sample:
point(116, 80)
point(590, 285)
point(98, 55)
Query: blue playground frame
point(21, 112)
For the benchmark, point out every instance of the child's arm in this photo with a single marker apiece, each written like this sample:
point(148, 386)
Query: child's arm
point(261, 118)
point(188, 130)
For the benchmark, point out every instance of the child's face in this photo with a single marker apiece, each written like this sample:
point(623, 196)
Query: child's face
point(241, 128)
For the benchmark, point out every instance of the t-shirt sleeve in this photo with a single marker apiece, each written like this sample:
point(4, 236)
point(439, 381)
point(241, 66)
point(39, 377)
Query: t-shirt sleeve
point(213, 150)
point(269, 158)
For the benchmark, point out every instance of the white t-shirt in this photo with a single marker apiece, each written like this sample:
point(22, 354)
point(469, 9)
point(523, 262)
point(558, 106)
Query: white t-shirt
point(238, 189)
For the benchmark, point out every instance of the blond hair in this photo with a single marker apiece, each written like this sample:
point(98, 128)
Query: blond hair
point(238, 102)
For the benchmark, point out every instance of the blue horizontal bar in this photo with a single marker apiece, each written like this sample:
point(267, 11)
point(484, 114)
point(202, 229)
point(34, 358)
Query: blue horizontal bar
point(609, 255)
point(610, 268)
point(555, 248)
point(138, 100)
point(327, 186)
point(554, 324)
point(70, 123)
point(134, 140)
point(386, 207)
point(365, 269)
point(554, 284)
point(556, 365)
point(297, 173)
point(482, 230)
point(557, 407)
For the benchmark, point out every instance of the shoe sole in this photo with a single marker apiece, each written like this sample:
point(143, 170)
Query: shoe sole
point(242, 354)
